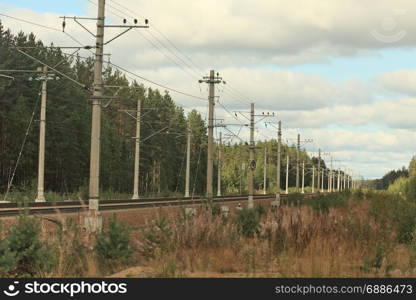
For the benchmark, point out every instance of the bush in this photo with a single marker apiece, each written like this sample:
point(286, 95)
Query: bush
point(410, 189)
point(156, 237)
point(7, 258)
point(113, 246)
point(294, 199)
point(392, 209)
point(248, 220)
point(322, 202)
point(31, 257)
point(399, 185)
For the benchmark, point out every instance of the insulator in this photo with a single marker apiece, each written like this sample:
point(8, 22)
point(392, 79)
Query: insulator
point(135, 21)
point(124, 21)
point(146, 21)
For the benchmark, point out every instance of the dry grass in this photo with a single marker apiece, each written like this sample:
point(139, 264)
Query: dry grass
point(294, 241)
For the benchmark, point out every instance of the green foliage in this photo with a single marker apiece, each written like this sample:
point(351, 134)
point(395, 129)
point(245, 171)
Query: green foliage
point(113, 245)
point(156, 237)
point(322, 202)
point(376, 260)
point(248, 220)
point(30, 256)
point(410, 189)
point(412, 167)
point(399, 186)
point(393, 210)
point(358, 194)
point(294, 199)
point(7, 258)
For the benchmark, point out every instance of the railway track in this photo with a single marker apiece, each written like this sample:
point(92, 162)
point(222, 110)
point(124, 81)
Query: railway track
point(13, 209)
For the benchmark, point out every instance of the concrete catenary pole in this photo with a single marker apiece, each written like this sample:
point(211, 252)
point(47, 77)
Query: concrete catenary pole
point(219, 167)
point(188, 160)
point(297, 163)
point(279, 143)
point(329, 181)
point(265, 172)
point(252, 163)
point(287, 174)
point(322, 182)
point(137, 151)
point(303, 177)
point(313, 179)
point(42, 124)
point(339, 180)
point(96, 116)
point(332, 177)
point(210, 160)
point(319, 169)
point(344, 176)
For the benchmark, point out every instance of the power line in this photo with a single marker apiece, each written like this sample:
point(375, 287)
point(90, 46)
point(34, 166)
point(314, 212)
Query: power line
point(30, 22)
point(158, 84)
point(159, 49)
point(164, 36)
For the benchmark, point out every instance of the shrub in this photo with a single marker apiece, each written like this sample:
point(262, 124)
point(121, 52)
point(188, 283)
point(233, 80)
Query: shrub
point(399, 185)
point(248, 220)
point(294, 199)
point(7, 258)
point(156, 237)
point(31, 256)
point(410, 189)
point(392, 209)
point(113, 246)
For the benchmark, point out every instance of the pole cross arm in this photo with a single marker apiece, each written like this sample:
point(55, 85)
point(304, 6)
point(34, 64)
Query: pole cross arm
point(103, 97)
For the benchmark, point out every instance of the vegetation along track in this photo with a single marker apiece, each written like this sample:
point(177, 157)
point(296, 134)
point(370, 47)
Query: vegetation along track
point(12, 209)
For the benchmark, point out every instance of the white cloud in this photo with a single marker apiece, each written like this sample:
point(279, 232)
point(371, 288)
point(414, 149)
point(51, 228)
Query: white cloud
point(400, 81)
point(244, 39)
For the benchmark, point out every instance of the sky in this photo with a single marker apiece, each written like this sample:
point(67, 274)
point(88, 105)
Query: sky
point(341, 73)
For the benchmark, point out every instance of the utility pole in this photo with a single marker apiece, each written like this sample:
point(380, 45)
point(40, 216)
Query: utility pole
point(331, 176)
point(319, 168)
point(137, 150)
point(211, 80)
point(188, 160)
point(41, 163)
point(339, 180)
point(241, 176)
point(313, 179)
point(329, 181)
point(96, 119)
point(252, 163)
point(303, 177)
point(94, 220)
point(252, 147)
point(219, 167)
point(287, 174)
point(322, 182)
point(344, 177)
point(265, 172)
point(297, 163)
point(279, 142)
point(43, 75)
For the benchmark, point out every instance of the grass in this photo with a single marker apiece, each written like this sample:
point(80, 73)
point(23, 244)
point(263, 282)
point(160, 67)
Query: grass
point(349, 234)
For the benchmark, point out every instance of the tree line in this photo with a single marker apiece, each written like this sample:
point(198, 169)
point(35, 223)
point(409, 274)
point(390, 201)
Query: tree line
point(68, 121)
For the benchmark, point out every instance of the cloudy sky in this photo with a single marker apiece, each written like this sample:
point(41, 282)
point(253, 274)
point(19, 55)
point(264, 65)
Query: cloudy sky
point(339, 72)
